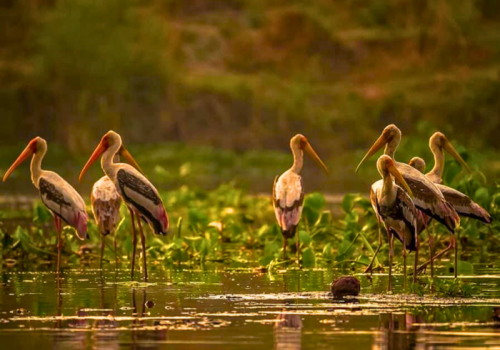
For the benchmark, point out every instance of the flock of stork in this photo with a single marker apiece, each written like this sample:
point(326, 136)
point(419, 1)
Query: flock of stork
point(405, 200)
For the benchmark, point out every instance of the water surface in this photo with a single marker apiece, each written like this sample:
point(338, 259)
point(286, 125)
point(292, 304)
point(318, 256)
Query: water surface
point(218, 308)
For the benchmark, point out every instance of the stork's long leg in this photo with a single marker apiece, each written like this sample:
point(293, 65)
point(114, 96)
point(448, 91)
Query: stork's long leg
point(391, 255)
point(298, 249)
point(284, 248)
point(438, 255)
point(114, 246)
point(369, 268)
point(134, 243)
point(415, 264)
point(57, 222)
point(404, 265)
point(143, 242)
point(431, 246)
point(456, 252)
point(102, 250)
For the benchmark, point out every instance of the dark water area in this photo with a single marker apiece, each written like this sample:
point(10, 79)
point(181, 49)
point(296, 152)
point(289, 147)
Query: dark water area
point(219, 308)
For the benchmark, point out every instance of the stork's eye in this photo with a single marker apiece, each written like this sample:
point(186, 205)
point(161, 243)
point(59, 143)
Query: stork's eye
point(303, 142)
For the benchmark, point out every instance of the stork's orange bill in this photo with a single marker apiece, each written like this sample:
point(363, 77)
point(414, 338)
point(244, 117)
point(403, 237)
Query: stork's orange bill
point(100, 149)
point(391, 167)
point(453, 152)
point(28, 152)
point(310, 151)
point(381, 141)
point(126, 154)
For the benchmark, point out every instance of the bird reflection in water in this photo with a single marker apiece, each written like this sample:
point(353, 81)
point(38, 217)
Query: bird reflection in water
point(288, 327)
point(396, 332)
point(106, 335)
point(145, 336)
point(288, 332)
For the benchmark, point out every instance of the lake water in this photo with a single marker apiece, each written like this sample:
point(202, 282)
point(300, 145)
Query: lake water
point(218, 308)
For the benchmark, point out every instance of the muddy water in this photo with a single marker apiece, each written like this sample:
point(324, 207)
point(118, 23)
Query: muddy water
point(222, 309)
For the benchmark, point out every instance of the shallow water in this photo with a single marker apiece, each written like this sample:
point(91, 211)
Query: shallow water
point(223, 309)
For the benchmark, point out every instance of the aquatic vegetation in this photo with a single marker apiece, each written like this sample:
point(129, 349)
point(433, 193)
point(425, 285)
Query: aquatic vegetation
point(229, 226)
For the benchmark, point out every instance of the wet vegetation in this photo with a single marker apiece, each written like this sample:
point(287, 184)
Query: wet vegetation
point(237, 229)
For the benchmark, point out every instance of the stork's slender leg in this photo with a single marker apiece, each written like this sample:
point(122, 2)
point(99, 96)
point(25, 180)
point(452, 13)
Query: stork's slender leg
point(438, 255)
point(57, 222)
point(284, 248)
point(102, 250)
point(415, 264)
point(391, 254)
point(369, 268)
point(404, 265)
point(134, 243)
point(456, 252)
point(298, 249)
point(143, 242)
point(431, 246)
point(114, 246)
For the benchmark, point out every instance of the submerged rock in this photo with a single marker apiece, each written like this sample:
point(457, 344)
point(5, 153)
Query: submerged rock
point(345, 286)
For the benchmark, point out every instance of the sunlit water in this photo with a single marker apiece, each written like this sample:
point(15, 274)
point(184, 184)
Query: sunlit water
point(222, 309)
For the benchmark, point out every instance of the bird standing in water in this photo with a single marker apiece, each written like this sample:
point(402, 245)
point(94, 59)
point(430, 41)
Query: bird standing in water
point(288, 191)
point(59, 197)
point(427, 197)
point(438, 143)
point(140, 196)
point(105, 202)
point(463, 205)
point(394, 207)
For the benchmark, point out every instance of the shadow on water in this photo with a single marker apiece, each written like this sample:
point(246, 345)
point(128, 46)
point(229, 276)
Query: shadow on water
point(226, 309)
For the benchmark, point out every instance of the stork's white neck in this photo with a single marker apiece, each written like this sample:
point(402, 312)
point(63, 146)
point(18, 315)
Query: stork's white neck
point(388, 189)
point(107, 160)
point(392, 146)
point(298, 159)
point(438, 160)
point(36, 163)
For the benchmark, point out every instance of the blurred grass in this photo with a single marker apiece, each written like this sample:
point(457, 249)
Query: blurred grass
point(172, 165)
point(246, 75)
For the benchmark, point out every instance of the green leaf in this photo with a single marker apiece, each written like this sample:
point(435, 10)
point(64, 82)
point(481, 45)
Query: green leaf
point(305, 238)
point(482, 196)
point(315, 201)
point(41, 214)
point(465, 268)
point(325, 219)
point(271, 248)
point(197, 217)
point(348, 202)
point(313, 204)
point(308, 258)
point(327, 252)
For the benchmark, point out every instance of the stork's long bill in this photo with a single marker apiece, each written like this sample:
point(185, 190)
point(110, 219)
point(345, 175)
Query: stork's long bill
point(100, 149)
point(310, 151)
point(453, 152)
point(28, 152)
point(391, 168)
point(381, 141)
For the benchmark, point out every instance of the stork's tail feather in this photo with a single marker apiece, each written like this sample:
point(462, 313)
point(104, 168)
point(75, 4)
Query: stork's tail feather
point(80, 224)
point(411, 245)
point(290, 233)
point(444, 214)
point(477, 212)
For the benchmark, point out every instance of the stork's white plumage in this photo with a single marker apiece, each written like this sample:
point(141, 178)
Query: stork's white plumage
point(58, 195)
point(140, 196)
point(427, 196)
point(394, 207)
point(288, 190)
point(105, 202)
point(462, 203)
